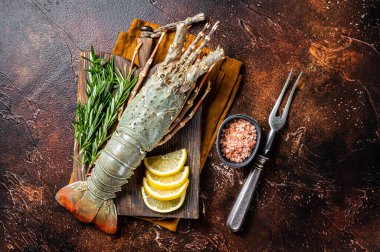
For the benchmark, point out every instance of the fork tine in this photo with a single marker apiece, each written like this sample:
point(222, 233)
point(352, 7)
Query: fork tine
point(277, 104)
point(289, 101)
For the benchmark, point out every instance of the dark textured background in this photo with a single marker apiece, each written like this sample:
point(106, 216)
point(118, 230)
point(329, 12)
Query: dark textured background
point(320, 190)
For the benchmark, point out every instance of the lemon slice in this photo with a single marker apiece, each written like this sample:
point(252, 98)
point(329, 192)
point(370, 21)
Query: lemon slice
point(167, 182)
point(164, 194)
point(163, 206)
point(166, 165)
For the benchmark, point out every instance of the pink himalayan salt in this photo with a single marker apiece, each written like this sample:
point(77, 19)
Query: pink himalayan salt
point(237, 140)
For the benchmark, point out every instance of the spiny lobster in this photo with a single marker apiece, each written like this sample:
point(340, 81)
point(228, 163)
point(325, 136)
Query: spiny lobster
point(157, 109)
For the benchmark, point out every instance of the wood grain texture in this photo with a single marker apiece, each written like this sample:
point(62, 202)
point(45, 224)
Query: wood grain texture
point(129, 201)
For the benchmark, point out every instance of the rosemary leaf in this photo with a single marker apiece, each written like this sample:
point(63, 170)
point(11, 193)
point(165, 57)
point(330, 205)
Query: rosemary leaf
point(107, 90)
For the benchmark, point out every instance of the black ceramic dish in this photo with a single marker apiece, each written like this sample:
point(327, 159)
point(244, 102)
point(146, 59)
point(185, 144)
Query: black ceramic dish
point(255, 148)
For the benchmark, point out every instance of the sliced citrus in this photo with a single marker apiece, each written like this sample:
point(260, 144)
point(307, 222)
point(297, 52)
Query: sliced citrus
point(166, 165)
point(164, 194)
point(167, 182)
point(163, 206)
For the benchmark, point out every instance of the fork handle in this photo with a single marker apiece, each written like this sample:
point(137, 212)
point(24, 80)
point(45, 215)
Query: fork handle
point(241, 206)
point(269, 142)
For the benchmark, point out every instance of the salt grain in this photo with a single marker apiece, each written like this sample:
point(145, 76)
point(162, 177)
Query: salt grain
point(237, 140)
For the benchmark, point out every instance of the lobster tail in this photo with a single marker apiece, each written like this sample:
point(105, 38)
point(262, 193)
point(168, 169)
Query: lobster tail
point(87, 207)
point(92, 200)
point(69, 195)
point(79, 200)
point(106, 219)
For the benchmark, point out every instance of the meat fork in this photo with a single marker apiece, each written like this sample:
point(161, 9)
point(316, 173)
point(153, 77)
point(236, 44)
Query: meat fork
point(241, 206)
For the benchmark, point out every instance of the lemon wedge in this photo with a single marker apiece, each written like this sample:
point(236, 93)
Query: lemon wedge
point(163, 206)
point(159, 194)
point(166, 165)
point(167, 182)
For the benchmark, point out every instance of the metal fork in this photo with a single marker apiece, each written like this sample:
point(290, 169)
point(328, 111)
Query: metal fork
point(240, 208)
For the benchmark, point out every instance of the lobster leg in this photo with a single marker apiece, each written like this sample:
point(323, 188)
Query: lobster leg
point(145, 70)
point(196, 70)
point(182, 123)
point(175, 49)
point(135, 52)
point(189, 102)
point(195, 53)
point(194, 43)
point(202, 66)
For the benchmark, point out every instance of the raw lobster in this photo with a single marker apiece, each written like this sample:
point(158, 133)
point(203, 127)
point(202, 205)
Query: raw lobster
point(144, 123)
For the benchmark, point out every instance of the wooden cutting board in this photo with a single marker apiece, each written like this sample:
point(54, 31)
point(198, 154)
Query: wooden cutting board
point(129, 201)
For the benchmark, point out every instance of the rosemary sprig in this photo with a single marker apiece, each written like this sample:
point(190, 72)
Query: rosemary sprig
point(107, 90)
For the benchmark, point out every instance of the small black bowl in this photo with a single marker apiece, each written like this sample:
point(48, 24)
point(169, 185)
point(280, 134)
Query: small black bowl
point(255, 148)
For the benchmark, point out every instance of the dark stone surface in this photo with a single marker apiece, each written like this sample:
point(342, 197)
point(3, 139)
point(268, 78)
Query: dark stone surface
point(321, 188)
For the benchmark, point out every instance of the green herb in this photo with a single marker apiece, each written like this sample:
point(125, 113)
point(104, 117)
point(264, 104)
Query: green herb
point(107, 90)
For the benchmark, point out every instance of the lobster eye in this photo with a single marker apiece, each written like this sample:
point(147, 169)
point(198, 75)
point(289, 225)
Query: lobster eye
point(162, 76)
